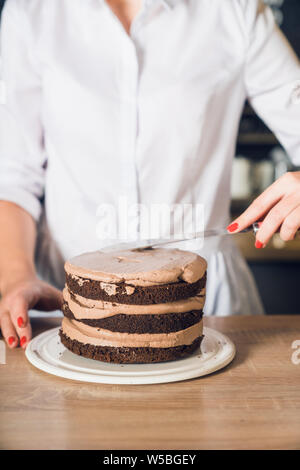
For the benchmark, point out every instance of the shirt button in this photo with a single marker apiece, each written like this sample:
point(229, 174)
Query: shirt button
point(2, 92)
point(296, 93)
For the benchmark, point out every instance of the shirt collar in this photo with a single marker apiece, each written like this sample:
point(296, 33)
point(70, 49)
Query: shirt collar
point(169, 3)
point(166, 3)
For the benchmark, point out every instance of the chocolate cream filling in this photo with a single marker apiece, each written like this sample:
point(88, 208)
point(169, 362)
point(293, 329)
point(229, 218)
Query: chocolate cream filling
point(87, 334)
point(119, 293)
point(83, 308)
point(166, 323)
point(124, 355)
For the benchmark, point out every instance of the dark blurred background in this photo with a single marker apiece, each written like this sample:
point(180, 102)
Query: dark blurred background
point(259, 160)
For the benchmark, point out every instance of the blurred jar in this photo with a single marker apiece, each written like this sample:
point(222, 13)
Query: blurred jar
point(263, 175)
point(241, 182)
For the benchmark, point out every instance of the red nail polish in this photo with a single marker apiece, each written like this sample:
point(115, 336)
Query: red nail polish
point(258, 245)
point(20, 322)
point(11, 340)
point(233, 227)
point(23, 341)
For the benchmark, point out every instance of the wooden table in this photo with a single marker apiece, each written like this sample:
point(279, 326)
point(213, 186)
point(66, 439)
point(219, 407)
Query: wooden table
point(253, 403)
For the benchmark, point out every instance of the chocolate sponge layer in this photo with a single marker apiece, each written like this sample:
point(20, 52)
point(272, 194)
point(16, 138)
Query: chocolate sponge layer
point(126, 355)
point(145, 295)
point(165, 323)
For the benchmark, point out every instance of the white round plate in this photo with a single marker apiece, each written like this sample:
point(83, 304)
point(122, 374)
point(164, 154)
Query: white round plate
point(46, 352)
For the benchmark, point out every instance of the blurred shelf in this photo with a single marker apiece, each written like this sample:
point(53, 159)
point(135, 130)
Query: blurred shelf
point(276, 250)
point(248, 110)
point(240, 205)
point(257, 139)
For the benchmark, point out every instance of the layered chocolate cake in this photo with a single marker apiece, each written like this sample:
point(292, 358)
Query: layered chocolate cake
point(134, 306)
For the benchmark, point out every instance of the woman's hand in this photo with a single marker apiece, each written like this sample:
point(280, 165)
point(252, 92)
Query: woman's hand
point(278, 206)
point(16, 300)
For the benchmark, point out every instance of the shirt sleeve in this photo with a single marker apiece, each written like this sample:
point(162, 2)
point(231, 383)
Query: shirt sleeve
point(22, 155)
point(272, 76)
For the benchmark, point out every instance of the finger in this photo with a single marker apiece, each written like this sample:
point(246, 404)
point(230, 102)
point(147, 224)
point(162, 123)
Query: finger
point(19, 311)
point(290, 225)
point(25, 335)
point(8, 330)
point(274, 219)
point(258, 208)
point(20, 319)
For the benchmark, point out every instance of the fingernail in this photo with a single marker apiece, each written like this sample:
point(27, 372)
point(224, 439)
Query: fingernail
point(258, 245)
point(11, 340)
point(20, 322)
point(233, 227)
point(23, 341)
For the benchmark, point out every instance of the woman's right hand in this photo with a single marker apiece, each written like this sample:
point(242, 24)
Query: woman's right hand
point(17, 299)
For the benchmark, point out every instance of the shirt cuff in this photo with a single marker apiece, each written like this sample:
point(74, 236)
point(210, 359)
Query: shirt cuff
point(25, 200)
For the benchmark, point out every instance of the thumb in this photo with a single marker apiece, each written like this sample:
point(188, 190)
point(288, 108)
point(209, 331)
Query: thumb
point(50, 299)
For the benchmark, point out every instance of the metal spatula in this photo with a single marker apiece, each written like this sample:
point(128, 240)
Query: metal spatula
point(148, 244)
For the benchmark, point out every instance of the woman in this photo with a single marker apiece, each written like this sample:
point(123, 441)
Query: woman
point(138, 100)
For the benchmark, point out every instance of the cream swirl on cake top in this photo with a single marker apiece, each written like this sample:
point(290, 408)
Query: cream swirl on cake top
point(140, 268)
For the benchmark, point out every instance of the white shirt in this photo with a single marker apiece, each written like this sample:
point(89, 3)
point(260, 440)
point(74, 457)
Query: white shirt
point(92, 115)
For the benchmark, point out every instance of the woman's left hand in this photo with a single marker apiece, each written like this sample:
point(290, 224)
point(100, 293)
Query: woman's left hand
point(278, 206)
